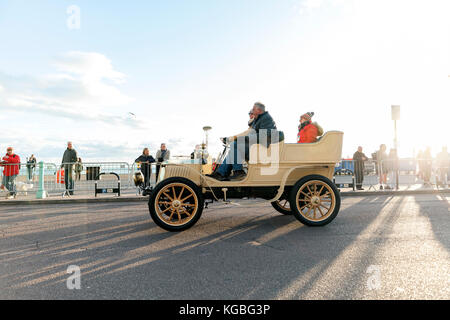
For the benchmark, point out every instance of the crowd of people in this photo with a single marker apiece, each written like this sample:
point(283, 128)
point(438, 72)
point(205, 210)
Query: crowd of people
point(388, 164)
point(145, 160)
point(71, 168)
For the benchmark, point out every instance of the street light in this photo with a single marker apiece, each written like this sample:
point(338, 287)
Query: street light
point(206, 129)
point(396, 116)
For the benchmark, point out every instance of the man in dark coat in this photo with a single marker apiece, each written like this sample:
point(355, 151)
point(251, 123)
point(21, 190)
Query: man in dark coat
point(70, 157)
point(359, 158)
point(262, 131)
point(145, 160)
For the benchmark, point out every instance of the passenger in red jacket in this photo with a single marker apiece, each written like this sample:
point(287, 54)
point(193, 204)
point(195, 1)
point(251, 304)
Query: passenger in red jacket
point(308, 132)
point(11, 166)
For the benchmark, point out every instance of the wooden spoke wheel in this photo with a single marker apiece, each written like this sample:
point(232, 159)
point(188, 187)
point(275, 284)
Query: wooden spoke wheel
point(315, 200)
point(176, 204)
point(282, 206)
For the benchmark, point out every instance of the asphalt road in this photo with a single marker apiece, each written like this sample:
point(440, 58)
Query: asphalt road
point(378, 247)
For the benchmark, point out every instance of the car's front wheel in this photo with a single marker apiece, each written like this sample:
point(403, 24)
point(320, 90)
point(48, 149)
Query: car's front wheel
point(176, 204)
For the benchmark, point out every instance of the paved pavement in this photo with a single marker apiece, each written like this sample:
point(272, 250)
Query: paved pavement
point(379, 247)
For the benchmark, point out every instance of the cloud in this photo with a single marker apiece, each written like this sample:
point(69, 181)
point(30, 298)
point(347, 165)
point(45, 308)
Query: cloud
point(89, 65)
point(80, 100)
point(85, 87)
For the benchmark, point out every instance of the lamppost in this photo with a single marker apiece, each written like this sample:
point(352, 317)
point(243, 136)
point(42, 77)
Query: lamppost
point(206, 129)
point(396, 116)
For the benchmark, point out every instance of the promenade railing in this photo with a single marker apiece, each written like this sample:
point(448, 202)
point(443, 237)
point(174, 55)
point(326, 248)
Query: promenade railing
point(51, 177)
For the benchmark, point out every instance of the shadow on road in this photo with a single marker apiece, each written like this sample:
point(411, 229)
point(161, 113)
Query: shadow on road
point(254, 255)
point(438, 214)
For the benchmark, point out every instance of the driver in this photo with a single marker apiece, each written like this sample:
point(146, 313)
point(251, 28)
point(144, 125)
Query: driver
point(262, 126)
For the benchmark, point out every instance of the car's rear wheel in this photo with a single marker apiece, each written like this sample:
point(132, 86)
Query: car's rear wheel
point(282, 206)
point(176, 204)
point(315, 200)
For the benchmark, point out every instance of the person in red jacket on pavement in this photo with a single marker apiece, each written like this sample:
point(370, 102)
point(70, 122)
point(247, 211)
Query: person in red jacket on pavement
point(11, 166)
point(308, 131)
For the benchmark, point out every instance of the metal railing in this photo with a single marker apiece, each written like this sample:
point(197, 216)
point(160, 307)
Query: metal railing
point(30, 179)
point(82, 176)
point(143, 175)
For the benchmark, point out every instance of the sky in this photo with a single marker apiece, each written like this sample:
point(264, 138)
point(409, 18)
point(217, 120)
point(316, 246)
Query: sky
point(117, 76)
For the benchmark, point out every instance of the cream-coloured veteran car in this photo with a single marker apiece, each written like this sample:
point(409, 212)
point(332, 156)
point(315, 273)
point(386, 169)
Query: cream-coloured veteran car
point(294, 178)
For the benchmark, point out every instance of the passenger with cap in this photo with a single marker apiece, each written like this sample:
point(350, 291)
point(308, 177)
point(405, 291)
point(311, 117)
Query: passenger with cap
point(308, 132)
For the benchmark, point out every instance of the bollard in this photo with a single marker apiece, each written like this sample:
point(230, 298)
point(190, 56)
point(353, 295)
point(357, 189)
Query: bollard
point(41, 194)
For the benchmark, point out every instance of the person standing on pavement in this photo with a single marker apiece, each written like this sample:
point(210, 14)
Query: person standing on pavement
point(359, 158)
point(427, 166)
point(392, 167)
point(69, 159)
point(443, 165)
point(31, 165)
point(78, 169)
point(382, 166)
point(11, 167)
point(419, 159)
point(161, 155)
point(145, 160)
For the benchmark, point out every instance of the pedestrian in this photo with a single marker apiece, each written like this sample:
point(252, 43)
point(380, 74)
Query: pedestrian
point(426, 164)
point(443, 164)
point(11, 167)
point(161, 155)
point(382, 166)
point(392, 167)
point(69, 159)
point(420, 165)
point(31, 165)
point(145, 160)
point(359, 158)
point(196, 154)
point(78, 169)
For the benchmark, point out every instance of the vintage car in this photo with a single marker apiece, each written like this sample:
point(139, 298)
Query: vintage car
point(294, 178)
